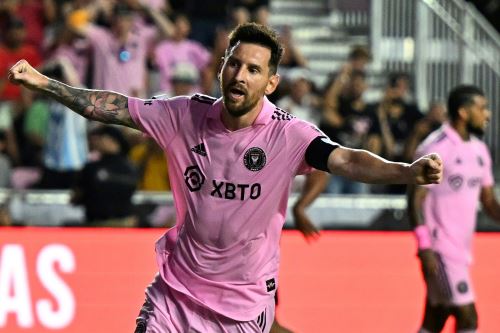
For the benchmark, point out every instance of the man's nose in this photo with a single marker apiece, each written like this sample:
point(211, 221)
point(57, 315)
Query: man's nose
point(487, 114)
point(240, 75)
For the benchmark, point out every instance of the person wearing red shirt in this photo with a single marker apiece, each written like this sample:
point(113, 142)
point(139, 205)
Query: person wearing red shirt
point(12, 49)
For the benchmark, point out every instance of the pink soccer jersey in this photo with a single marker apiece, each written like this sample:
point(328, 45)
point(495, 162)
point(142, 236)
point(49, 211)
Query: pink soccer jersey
point(77, 54)
point(450, 208)
point(170, 53)
point(121, 68)
point(231, 190)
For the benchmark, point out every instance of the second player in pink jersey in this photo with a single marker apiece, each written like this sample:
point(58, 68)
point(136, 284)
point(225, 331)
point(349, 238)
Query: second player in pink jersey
point(231, 164)
point(444, 215)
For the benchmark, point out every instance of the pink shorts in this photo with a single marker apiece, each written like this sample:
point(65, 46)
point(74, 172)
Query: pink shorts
point(452, 286)
point(167, 310)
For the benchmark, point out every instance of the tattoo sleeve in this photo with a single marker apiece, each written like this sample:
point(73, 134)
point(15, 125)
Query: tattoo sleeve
point(104, 106)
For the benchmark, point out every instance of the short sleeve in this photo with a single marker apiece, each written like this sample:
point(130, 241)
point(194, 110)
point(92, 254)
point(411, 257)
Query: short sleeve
point(299, 135)
point(159, 118)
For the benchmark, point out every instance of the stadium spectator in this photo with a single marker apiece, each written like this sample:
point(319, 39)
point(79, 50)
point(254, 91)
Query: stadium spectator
point(14, 47)
point(258, 10)
point(293, 58)
point(399, 87)
point(105, 187)
point(178, 50)
point(301, 101)
point(120, 53)
point(358, 59)
point(71, 47)
point(206, 17)
point(5, 219)
point(65, 142)
point(35, 15)
point(395, 127)
point(397, 115)
point(185, 79)
point(433, 119)
point(13, 99)
point(232, 161)
point(237, 16)
point(5, 164)
point(355, 67)
point(349, 121)
point(444, 216)
point(219, 47)
point(151, 165)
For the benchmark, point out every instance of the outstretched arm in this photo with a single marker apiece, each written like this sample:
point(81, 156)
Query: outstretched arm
point(363, 166)
point(104, 106)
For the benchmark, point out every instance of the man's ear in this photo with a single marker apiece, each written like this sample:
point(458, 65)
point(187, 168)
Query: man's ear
point(272, 84)
point(463, 113)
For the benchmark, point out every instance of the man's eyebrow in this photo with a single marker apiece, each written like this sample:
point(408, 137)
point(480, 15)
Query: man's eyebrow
point(255, 66)
point(250, 65)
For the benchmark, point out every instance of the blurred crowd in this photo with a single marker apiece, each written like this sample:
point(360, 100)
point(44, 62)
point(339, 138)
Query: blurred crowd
point(145, 48)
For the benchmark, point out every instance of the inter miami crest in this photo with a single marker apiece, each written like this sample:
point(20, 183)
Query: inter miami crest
point(254, 159)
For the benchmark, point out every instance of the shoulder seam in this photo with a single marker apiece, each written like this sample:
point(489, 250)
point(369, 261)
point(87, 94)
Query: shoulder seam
point(280, 114)
point(205, 99)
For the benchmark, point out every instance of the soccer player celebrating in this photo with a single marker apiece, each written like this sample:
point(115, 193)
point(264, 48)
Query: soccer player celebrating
point(231, 163)
point(444, 216)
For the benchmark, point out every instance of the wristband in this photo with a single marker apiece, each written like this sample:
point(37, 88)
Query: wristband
point(423, 236)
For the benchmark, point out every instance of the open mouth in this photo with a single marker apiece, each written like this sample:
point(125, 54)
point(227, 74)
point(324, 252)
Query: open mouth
point(236, 93)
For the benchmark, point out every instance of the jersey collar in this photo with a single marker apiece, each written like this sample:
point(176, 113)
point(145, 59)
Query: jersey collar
point(264, 117)
point(451, 133)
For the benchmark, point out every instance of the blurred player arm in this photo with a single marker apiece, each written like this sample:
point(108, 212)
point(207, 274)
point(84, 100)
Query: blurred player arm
point(99, 105)
point(416, 195)
point(490, 203)
point(364, 166)
point(415, 198)
point(315, 184)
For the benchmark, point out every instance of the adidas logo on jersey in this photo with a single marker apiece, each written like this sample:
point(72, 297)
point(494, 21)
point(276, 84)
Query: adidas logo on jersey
point(199, 149)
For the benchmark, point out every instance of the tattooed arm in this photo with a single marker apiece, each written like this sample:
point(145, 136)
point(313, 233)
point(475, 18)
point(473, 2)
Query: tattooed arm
point(104, 106)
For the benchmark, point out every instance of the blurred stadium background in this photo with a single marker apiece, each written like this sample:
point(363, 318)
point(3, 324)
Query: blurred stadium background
point(63, 270)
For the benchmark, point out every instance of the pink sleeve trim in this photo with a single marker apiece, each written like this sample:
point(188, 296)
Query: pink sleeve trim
point(423, 236)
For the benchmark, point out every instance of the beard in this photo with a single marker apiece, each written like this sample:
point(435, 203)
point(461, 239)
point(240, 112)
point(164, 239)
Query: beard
point(237, 109)
point(475, 130)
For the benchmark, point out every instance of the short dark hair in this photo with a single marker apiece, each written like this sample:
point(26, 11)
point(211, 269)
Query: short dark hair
point(360, 52)
point(258, 34)
point(122, 9)
point(396, 76)
point(460, 96)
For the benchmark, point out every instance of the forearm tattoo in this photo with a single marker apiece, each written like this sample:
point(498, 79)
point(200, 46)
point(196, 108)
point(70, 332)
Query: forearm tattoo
point(104, 106)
